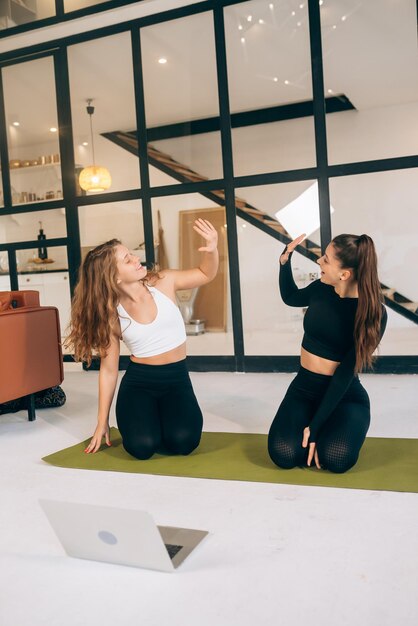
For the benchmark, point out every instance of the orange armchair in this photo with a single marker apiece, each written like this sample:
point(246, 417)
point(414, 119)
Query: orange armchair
point(30, 347)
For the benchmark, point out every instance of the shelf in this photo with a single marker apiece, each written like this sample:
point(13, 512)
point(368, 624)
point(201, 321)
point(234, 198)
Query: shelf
point(44, 270)
point(38, 201)
point(26, 168)
point(38, 270)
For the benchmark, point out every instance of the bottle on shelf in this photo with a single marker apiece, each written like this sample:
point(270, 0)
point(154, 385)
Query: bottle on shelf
point(42, 251)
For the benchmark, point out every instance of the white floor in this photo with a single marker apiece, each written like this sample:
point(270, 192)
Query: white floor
point(276, 554)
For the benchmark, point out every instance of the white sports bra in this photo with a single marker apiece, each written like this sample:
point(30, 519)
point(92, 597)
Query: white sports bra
point(165, 333)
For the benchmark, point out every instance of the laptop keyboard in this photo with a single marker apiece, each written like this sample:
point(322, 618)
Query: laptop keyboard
point(172, 549)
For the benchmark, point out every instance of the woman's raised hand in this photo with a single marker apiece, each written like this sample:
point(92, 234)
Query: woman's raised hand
point(208, 232)
point(96, 441)
point(290, 247)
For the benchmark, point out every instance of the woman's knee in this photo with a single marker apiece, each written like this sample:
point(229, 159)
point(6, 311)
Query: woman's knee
point(337, 459)
point(286, 455)
point(142, 448)
point(340, 466)
point(182, 442)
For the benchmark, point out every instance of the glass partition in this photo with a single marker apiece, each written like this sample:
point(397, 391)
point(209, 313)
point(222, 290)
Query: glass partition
point(41, 225)
point(115, 220)
point(32, 131)
point(101, 71)
point(120, 220)
point(181, 100)
point(4, 271)
point(383, 205)
point(270, 86)
point(206, 310)
point(370, 57)
point(271, 327)
point(18, 12)
point(76, 5)
point(50, 280)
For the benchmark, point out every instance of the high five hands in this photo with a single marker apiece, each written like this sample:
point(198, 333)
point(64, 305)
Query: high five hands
point(290, 247)
point(208, 232)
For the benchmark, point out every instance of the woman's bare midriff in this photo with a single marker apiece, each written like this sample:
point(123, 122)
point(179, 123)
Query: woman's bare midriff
point(317, 364)
point(172, 356)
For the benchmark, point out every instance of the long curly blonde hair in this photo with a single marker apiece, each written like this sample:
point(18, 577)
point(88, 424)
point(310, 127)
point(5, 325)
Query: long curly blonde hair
point(94, 305)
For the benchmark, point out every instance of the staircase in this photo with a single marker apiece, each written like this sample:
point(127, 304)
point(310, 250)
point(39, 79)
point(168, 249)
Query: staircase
point(252, 215)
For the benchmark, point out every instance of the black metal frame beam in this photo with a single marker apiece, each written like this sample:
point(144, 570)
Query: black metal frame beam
point(317, 71)
point(229, 189)
point(142, 145)
point(4, 148)
point(267, 115)
point(397, 364)
point(66, 144)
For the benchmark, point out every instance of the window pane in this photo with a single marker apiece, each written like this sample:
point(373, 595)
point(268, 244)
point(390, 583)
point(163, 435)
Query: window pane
point(32, 131)
point(102, 70)
point(383, 205)
point(177, 243)
point(269, 74)
point(120, 220)
point(51, 280)
point(75, 5)
point(26, 227)
point(271, 327)
point(17, 12)
point(180, 83)
point(370, 57)
point(4, 271)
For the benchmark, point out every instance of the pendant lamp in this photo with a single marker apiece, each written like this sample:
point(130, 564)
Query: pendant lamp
point(94, 177)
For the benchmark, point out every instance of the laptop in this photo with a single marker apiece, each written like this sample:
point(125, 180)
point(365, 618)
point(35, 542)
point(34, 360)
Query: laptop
point(121, 536)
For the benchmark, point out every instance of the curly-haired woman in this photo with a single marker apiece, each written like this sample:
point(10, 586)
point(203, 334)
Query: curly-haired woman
point(117, 298)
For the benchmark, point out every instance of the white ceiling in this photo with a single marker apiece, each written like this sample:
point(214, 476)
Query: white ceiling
point(370, 55)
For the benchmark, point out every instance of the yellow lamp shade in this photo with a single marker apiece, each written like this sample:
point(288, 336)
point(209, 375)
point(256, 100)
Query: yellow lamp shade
point(95, 178)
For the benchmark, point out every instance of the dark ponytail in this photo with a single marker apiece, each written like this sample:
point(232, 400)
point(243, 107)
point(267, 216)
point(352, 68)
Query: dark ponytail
point(358, 253)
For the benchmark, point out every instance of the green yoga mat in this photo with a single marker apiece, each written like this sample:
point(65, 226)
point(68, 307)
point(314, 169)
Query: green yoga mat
point(384, 464)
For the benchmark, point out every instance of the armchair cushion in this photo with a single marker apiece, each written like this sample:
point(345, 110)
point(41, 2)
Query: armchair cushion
point(30, 347)
point(5, 301)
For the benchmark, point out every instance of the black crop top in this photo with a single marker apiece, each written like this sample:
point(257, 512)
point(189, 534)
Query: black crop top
point(329, 330)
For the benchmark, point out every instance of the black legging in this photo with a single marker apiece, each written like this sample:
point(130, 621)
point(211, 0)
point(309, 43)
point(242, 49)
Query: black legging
point(341, 437)
point(156, 410)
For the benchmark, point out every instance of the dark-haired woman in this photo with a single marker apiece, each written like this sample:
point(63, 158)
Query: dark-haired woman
point(117, 298)
point(325, 413)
